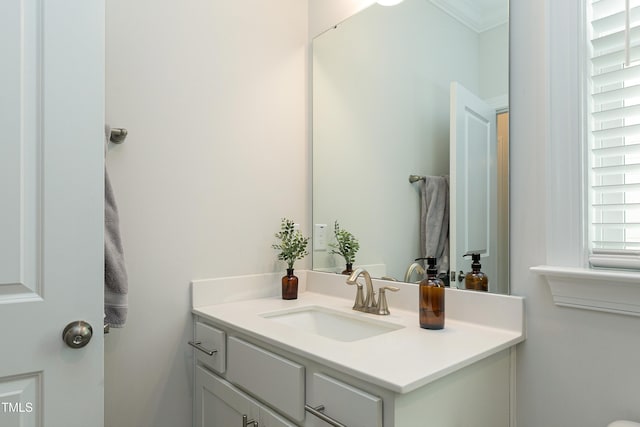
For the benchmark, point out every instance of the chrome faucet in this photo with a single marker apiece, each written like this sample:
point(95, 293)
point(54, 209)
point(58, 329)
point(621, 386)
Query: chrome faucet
point(369, 304)
point(413, 267)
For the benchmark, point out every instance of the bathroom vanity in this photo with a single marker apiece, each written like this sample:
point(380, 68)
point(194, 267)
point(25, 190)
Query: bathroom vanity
point(263, 361)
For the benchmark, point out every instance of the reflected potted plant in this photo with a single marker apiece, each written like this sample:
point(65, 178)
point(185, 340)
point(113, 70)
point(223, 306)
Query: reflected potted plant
point(292, 247)
point(346, 246)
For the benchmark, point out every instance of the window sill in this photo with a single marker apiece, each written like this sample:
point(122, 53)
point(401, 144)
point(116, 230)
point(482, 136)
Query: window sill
point(600, 290)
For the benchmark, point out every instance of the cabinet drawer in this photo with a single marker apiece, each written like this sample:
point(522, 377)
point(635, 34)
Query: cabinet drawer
point(211, 339)
point(275, 380)
point(344, 403)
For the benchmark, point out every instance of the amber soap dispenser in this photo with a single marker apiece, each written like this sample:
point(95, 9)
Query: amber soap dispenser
point(475, 279)
point(431, 298)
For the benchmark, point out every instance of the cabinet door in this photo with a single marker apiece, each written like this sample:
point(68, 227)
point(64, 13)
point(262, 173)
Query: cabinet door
point(268, 418)
point(220, 404)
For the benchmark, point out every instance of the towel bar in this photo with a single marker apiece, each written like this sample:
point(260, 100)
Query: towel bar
point(118, 135)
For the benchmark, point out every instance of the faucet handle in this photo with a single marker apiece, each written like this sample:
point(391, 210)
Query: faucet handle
point(359, 302)
point(383, 307)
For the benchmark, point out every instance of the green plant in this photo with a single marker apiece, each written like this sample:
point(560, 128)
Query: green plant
point(293, 245)
point(347, 245)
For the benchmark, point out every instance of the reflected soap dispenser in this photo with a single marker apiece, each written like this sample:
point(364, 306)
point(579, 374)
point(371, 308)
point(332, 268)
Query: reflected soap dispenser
point(475, 279)
point(432, 298)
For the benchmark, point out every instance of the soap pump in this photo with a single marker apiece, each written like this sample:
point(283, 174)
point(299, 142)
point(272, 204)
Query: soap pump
point(476, 279)
point(432, 298)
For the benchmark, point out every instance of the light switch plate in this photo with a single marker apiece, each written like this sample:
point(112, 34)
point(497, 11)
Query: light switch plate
point(320, 237)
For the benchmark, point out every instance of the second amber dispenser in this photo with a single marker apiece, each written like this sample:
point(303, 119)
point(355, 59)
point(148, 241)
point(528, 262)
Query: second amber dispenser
point(432, 298)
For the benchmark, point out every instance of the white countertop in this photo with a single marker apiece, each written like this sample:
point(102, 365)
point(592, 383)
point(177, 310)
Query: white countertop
point(401, 361)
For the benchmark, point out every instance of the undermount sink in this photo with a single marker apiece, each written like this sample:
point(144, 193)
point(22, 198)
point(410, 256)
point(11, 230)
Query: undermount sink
point(332, 324)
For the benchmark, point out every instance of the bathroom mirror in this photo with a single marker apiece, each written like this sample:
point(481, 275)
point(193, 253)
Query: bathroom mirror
point(382, 84)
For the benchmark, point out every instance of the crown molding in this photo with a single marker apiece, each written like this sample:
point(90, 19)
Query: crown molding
point(479, 16)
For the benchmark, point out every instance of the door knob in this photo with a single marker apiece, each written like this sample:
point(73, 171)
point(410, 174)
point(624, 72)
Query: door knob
point(77, 334)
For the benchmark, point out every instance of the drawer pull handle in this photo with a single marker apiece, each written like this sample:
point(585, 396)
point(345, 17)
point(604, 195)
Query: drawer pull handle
point(198, 345)
point(317, 411)
point(245, 423)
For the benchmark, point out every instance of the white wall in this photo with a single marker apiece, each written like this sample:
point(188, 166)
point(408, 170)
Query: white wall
point(494, 62)
point(577, 368)
point(213, 94)
point(324, 14)
point(381, 84)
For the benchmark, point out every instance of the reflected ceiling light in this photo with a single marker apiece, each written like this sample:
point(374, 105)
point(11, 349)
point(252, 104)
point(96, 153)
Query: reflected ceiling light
point(389, 2)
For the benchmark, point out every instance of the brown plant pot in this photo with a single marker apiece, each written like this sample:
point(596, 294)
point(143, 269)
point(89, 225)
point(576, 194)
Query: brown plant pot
point(348, 270)
point(289, 285)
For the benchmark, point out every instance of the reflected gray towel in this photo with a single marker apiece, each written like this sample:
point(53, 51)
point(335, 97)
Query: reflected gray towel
point(434, 220)
point(116, 284)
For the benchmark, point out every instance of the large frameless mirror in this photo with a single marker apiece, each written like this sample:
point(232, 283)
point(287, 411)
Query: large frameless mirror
point(420, 88)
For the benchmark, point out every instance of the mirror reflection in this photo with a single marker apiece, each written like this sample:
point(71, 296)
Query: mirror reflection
point(387, 104)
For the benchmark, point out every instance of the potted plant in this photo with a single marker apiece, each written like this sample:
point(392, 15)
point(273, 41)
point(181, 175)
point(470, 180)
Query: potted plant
point(292, 247)
point(346, 246)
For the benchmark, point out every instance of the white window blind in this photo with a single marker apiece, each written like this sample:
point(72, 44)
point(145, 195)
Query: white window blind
point(614, 27)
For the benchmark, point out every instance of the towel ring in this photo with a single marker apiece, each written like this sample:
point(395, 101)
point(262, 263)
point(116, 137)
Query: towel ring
point(118, 135)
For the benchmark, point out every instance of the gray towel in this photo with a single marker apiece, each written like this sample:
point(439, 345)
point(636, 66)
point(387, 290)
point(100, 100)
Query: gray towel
point(116, 284)
point(434, 220)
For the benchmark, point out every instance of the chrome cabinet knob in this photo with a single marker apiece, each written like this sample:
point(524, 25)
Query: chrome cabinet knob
point(77, 334)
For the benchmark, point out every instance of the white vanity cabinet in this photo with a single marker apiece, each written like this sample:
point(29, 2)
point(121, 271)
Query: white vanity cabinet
point(270, 385)
point(270, 388)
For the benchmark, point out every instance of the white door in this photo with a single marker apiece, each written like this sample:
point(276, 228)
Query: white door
point(51, 214)
point(473, 181)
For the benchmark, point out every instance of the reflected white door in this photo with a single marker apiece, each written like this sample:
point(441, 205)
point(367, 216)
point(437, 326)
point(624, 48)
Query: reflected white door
point(51, 217)
point(473, 175)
